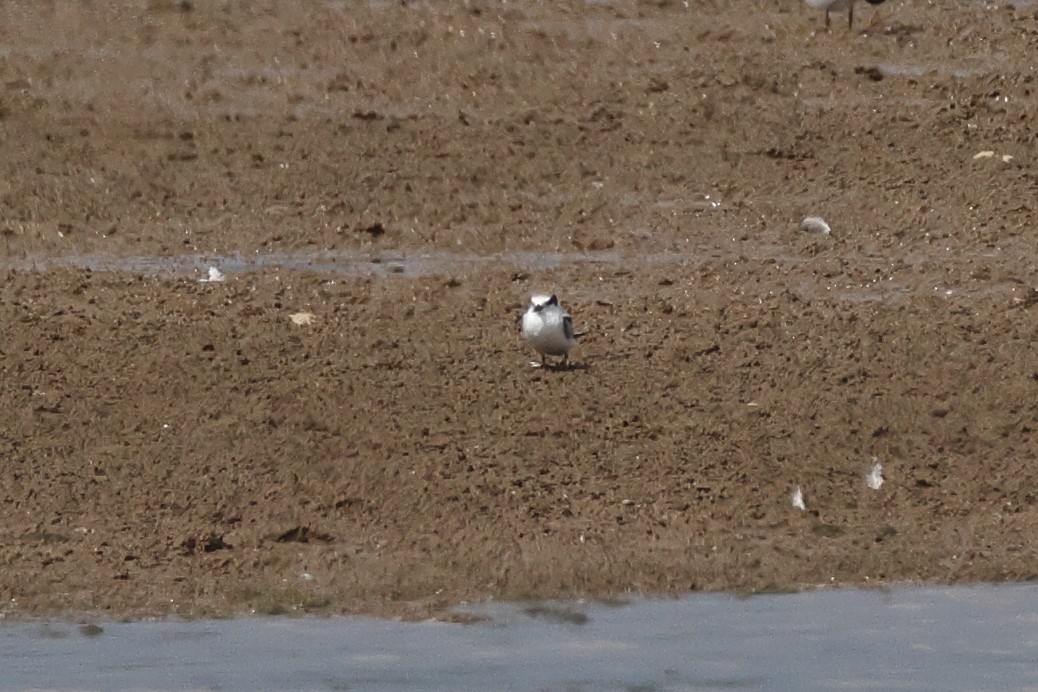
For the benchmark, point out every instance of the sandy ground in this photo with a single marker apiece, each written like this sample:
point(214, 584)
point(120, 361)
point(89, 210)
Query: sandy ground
point(407, 174)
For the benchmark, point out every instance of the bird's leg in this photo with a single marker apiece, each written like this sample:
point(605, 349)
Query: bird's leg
point(850, 17)
point(827, 19)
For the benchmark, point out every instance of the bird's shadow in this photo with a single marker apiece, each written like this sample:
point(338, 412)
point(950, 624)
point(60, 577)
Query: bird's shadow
point(560, 367)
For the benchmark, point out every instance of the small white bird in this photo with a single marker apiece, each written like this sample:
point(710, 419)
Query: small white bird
point(838, 6)
point(549, 328)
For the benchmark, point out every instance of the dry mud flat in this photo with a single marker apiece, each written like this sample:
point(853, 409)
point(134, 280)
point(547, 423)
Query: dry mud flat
point(175, 446)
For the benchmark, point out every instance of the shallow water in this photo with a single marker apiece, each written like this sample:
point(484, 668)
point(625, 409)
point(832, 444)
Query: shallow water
point(345, 264)
point(950, 638)
point(884, 286)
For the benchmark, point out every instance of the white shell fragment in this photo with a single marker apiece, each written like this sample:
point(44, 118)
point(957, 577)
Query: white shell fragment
point(215, 276)
point(303, 319)
point(874, 478)
point(989, 154)
point(798, 499)
point(815, 225)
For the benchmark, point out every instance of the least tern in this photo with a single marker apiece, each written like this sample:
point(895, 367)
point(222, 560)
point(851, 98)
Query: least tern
point(838, 6)
point(549, 328)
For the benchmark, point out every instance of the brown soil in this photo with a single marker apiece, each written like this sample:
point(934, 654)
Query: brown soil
point(171, 446)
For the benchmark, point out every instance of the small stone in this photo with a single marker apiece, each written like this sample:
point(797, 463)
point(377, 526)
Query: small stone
point(815, 225)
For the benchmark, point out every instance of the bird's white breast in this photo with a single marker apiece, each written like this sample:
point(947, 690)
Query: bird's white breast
point(544, 330)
